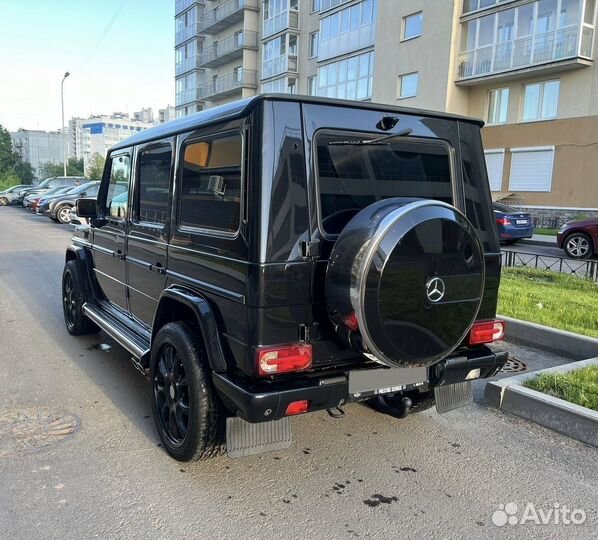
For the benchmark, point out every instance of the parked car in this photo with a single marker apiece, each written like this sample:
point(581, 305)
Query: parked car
point(281, 255)
point(579, 239)
point(512, 224)
point(58, 208)
point(48, 183)
point(30, 200)
point(7, 195)
point(41, 198)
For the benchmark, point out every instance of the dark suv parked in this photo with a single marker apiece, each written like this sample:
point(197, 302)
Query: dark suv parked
point(283, 254)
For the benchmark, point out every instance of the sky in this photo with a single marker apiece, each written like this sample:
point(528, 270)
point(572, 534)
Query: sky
point(120, 54)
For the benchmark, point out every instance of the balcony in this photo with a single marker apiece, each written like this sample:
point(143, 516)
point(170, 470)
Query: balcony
point(279, 64)
point(183, 5)
point(187, 33)
point(228, 85)
point(228, 49)
point(282, 21)
point(225, 14)
point(190, 95)
point(187, 64)
point(529, 37)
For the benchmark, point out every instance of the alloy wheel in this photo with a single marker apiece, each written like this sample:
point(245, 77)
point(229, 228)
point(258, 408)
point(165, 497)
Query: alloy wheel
point(69, 300)
point(3, 201)
point(64, 215)
point(171, 393)
point(578, 246)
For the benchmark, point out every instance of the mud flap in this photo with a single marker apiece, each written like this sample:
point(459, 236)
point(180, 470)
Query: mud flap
point(247, 439)
point(453, 396)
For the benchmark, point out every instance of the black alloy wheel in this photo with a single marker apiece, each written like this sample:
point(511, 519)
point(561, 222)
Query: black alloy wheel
point(76, 322)
point(187, 412)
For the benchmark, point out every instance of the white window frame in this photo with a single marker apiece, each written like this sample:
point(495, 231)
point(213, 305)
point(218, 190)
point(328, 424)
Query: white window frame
point(404, 37)
point(540, 104)
point(529, 149)
point(403, 76)
point(501, 153)
point(488, 117)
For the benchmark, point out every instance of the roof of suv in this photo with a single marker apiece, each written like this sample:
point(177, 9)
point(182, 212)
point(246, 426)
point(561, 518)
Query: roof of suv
point(242, 107)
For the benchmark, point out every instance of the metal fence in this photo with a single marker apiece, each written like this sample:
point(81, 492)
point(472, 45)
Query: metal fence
point(582, 269)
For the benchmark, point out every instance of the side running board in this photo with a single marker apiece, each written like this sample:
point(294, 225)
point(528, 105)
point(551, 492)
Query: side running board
point(136, 344)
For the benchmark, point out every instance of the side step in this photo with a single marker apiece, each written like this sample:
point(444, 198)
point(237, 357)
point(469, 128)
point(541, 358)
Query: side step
point(135, 343)
point(247, 439)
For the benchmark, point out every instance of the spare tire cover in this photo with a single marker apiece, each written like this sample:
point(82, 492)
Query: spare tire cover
point(412, 272)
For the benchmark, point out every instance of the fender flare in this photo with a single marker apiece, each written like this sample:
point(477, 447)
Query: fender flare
point(85, 264)
point(206, 320)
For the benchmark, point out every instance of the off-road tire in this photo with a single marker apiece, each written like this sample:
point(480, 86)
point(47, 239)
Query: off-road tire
point(59, 211)
point(77, 324)
point(204, 436)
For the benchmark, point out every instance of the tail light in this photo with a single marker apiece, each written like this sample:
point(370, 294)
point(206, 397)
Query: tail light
point(502, 221)
point(297, 407)
point(486, 332)
point(283, 358)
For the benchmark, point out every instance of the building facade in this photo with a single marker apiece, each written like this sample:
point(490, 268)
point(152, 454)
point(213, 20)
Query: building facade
point(39, 147)
point(527, 67)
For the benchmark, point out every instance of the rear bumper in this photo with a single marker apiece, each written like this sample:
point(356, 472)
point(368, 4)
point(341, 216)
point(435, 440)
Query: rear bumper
point(509, 233)
point(265, 400)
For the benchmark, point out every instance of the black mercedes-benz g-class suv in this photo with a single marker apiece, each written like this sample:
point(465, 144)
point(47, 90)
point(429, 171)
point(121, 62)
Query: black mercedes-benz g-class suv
point(285, 254)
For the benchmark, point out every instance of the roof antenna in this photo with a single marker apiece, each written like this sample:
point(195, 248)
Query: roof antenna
point(387, 122)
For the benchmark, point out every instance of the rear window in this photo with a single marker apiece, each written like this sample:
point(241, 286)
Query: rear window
point(351, 177)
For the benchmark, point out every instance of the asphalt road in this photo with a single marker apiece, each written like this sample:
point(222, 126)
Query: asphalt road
point(367, 475)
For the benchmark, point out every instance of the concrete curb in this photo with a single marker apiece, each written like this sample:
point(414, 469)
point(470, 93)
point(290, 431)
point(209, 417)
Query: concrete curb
point(543, 243)
point(511, 396)
point(556, 341)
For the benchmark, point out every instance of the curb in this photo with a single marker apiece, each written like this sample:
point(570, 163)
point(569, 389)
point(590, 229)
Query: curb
point(542, 243)
point(509, 395)
point(561, 342)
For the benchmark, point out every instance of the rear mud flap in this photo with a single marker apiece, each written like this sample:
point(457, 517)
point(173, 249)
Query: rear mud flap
point(453, 396)
point(247, 439)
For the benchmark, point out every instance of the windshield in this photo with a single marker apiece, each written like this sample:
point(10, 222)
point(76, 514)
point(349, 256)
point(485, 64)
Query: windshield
point(498, 207)
point(352, 177)
point(82, 187)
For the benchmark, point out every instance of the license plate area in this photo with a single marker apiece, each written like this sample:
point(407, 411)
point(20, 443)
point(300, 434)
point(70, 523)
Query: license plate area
point(385, 380)
point(521, 221)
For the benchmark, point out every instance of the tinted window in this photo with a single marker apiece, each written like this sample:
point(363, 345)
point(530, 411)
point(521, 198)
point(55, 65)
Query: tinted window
point(211, 184)
point(503, 208)
point(351, 177)
point(120, 174)
point(153, 186)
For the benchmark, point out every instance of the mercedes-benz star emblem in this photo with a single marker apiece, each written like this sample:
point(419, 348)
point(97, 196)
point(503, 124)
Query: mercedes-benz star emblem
point(435, 289)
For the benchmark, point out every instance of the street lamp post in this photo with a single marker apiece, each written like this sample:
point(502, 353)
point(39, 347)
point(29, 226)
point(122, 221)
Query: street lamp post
point(63, 128)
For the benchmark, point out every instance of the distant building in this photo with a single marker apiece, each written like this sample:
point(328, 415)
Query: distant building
point(38, 147)
point(167, 114)
point(144, 115)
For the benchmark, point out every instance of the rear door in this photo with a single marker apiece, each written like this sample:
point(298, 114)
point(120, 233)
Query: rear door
point(147, 239)
point(109, 240)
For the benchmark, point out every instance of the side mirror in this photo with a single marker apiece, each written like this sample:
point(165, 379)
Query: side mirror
point(87, 208)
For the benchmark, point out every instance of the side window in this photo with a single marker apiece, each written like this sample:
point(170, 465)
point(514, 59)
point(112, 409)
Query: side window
point(120, 174)
point(153, 185)
point(210, 195)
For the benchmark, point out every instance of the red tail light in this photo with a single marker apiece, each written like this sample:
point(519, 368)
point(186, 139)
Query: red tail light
point(486, 332)
point(502, 221)
point(283, 358)
point(297, 407)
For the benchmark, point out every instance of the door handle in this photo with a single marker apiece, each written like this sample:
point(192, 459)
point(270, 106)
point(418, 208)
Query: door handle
point(158, 268)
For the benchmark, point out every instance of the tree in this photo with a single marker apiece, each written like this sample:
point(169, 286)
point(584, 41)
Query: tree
point(95, 167)
point(74, 168)
point(13, 170)
point(24, 171)
point(8, 156)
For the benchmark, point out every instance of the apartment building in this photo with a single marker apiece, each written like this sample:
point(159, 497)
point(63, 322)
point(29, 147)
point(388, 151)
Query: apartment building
point(38, 147)
point(527, 67)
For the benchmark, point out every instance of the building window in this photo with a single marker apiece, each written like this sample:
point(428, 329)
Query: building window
point(540, 101)
point(315, 5)
point(531, 169)
point(292, 86)
point(412, 25)
point(408, 84)
point(351, 78)
point(498, 106)
point(312, 86)
point(211, 184)
point(313, 44)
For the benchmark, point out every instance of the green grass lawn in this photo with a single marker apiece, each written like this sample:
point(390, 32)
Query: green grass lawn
point(546, 232)
point(579, 386)
point(550, 298)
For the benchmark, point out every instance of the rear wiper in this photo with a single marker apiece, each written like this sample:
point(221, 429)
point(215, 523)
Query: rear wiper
point(366, 142)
